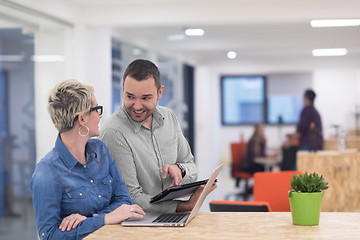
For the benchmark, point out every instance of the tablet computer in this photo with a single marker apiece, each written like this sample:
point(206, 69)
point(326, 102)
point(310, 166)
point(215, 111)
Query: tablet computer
point(178, 191)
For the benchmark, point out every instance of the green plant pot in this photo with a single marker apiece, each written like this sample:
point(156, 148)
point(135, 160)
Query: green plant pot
point(305, 207)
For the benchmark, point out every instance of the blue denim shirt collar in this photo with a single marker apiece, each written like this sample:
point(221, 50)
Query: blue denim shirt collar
point(68, 158)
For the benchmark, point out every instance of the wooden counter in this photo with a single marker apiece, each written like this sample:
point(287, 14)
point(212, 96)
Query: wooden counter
point(241, 225)
point(342, 171)
point(350, 142)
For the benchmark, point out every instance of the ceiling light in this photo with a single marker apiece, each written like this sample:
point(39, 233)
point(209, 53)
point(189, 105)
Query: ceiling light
point(335, 23)
point(231, 54)
point(329, 52)
point(194, 32)
point(11, 58)
point(136, 51)
point(48, 58)
point(176, 37)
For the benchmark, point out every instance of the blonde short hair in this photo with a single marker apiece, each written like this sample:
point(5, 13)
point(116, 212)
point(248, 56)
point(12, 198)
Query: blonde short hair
point(67, 100)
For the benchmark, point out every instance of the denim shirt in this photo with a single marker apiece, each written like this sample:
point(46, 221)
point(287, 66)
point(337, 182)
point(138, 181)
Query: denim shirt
point(62, 186)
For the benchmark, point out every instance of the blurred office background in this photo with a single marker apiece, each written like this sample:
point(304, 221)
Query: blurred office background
point(43, 42)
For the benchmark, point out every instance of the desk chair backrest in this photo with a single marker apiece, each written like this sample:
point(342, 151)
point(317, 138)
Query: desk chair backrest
point(273, 187)
point(238, 206)
point(237, 156)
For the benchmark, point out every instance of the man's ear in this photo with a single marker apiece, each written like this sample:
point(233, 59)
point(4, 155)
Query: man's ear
point(160, 91)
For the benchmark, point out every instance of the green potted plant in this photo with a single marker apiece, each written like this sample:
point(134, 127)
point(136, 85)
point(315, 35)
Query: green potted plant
point(305, 198)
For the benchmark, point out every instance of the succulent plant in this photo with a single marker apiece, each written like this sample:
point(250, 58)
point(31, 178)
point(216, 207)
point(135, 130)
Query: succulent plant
point(308, 183)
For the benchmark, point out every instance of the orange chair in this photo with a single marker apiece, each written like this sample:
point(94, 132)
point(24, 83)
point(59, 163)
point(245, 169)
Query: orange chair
point(273, 187)
point(235, 206)
point(237, 155)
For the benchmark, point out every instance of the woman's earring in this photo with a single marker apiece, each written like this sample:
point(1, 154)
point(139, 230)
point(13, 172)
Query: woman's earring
point(87, 131)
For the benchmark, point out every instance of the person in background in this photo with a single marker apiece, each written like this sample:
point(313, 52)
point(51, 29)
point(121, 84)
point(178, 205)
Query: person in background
point(289, 150)
point(147, 142)
point(255, 148)
point(76, 187)
point(309, 128)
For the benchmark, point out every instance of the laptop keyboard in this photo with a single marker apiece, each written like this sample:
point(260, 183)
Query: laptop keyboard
point(169, 218)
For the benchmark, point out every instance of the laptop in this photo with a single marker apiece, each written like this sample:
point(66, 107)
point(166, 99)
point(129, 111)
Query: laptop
point(174, 219)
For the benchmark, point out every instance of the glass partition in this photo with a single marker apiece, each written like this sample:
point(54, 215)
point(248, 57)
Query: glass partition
point(35, 53)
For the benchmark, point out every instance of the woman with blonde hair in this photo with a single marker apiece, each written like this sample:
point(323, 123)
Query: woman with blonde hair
point(76, 187)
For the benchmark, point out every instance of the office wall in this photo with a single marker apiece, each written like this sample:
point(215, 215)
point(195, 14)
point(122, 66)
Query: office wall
point(338, 94)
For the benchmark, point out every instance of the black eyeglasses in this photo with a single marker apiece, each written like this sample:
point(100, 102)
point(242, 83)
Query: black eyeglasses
point(98, 109)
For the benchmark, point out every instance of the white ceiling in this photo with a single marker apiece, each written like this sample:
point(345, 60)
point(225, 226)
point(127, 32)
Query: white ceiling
point(255, 29)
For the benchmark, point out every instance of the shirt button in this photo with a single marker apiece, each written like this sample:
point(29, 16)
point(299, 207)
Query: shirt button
point(80, 194)
point(91, 181)
point(99, 196)
point(42, 234)
point(110, 181)
point(84, 166)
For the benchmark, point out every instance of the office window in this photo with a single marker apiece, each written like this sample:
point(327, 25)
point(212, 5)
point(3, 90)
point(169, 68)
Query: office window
point(243, 99)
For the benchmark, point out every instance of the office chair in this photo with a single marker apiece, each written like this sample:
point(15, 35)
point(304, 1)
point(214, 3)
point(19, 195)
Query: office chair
point(273, 187)
point(237, 155)
point(235, 206)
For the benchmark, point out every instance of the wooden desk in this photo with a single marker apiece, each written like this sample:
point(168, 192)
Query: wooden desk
point(241, 225)
point(342, 171)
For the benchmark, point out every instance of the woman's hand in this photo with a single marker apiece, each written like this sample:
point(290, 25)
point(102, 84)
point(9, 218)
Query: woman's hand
point(71, 222)
point(124, 212)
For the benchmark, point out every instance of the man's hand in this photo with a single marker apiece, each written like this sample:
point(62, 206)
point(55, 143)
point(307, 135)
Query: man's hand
point(189, 205)
point(71, 222)
point(175, 173)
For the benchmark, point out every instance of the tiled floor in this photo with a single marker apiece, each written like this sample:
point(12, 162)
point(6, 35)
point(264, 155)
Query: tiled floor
point(23, 226)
